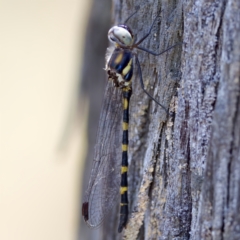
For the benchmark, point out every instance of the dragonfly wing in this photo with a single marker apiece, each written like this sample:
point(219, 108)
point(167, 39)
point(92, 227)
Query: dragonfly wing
point(104, 181)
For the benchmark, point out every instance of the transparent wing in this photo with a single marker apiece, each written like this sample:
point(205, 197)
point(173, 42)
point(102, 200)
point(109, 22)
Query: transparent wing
point(104, 181)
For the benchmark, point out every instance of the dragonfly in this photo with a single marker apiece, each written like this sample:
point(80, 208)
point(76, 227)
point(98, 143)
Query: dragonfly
point(108, 174)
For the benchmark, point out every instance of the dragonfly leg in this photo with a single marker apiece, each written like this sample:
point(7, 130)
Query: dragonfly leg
point(149, 31)
point(157, 54)
point(142, 84)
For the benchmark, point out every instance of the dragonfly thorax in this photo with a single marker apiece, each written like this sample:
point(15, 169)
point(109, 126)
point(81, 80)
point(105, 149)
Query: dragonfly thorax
point(120, 67)
point(121, 35)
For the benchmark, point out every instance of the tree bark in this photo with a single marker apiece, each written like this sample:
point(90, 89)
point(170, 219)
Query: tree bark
point(184, 176)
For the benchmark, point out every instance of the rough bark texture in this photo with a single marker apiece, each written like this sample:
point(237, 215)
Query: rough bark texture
point(184, 177)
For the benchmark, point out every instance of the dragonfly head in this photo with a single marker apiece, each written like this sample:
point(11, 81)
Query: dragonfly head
point(121, 35)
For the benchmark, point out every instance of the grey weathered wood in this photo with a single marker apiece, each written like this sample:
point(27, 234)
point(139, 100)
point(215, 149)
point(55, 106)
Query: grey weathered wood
point(219, 215)
point(184, 177)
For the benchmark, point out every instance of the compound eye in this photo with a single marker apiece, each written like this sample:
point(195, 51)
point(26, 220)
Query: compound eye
point(113, 39)
point(121, 36)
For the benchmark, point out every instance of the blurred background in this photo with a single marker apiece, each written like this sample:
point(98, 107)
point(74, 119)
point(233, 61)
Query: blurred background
point(51, 89)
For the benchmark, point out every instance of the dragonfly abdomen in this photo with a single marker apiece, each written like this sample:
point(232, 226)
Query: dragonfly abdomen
point(127, 92)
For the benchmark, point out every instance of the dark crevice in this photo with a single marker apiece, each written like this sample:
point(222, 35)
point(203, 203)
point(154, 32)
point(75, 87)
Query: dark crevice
point(235, 122)
point(218, 50)
point(165, 175)
point(157, 150)
point(218, 35)
point(120, 12)
point(183, 132)
point(189, 188)
point(186, 216)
